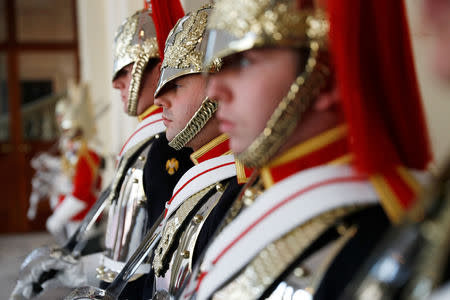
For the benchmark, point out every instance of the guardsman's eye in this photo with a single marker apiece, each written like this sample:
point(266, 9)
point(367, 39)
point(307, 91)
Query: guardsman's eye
point(237, 61)
point(244, 62)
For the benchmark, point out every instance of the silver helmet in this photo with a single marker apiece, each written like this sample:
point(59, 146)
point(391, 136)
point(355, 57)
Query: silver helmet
point(135, 42)
point(236, 26)
point(74, 113)
point(183, 55)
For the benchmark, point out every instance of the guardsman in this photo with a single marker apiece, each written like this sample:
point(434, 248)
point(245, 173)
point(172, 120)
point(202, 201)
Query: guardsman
point(135, 74)
point(153, 168)
point(77, 193)
point(80, 164)
point(323, 102)
point(205, 191)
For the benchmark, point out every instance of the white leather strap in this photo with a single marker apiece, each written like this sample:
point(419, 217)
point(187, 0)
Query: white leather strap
point(145, 129)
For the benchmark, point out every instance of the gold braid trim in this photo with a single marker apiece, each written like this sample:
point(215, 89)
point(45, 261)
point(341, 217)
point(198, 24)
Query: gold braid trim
point(135, 83)
point(195, 124)
point(288, 114)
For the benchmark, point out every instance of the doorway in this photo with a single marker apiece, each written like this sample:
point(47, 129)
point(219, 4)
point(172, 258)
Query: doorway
point(38, 55)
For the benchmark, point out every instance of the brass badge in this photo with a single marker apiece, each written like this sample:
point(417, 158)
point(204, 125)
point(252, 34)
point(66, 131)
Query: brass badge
point(172, 166)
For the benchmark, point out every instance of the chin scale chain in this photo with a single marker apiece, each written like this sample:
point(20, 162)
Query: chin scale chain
point(195, 124)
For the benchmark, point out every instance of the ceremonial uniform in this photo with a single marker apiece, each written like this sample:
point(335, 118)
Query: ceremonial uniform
point(168, 165)
point(298, 223)
point(310, 213)
point(194, 199)
point(83, 167)
point(205, 191)
point(132, 211)
point(128, 221)
point(143, 183)
point(80, 164)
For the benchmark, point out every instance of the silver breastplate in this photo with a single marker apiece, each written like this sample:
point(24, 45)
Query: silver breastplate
point(180, 266)
point(260, 273)
point(302, 282)
point(127, 223)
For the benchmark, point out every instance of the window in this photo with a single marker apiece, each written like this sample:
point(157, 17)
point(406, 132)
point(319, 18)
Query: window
point(43, 78)
point(55, 20)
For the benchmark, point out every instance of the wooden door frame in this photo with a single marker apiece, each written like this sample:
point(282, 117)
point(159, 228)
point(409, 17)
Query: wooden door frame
point(13, 48)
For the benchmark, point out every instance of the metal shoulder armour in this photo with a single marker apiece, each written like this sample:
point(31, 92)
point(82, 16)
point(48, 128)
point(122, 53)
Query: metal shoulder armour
point(416, 253)
point(293, 266)
point(174, 256)
point(127, 221)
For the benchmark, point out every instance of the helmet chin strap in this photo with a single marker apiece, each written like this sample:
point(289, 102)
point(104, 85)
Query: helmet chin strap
point(288, 113)
point(135, 83)
point(195, 124)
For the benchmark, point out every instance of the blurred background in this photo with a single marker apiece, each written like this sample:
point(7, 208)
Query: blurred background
point(43, 43)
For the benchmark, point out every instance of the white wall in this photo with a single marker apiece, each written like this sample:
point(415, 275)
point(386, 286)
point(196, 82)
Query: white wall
point(190, 5)
point(435, 92)
point(97, 23)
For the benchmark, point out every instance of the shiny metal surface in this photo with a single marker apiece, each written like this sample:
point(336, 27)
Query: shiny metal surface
point(181, 265)
point(185, 48)
point(135, 43)
point(136, 34)
point(162, 295)
point(413, 258)
point(236, 26)
point(116, 287)
point(387, 274)
point(75, 243)
point(269, 266)
point(89, 293)
point(127, 221)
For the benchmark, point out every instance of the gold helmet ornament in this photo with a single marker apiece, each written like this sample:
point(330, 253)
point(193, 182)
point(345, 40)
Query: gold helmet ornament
point(74, 113)
point(183, 55)
point(236, 26)
point(135, 42)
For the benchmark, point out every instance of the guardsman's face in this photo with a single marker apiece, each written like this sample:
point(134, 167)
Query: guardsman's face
point(149, 82)
point(437, 14)
point(248, 88)
point(180, 100)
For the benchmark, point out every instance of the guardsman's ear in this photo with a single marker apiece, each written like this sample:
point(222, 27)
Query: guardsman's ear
point(327, 100)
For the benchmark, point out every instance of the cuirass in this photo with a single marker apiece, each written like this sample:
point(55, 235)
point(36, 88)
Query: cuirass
point(180, 266)
point(278, 257)
point(303, 280)
point(127, 222)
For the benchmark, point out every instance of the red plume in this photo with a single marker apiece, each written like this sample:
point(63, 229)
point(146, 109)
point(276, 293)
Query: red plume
point(372, 52)
point(165, 15)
